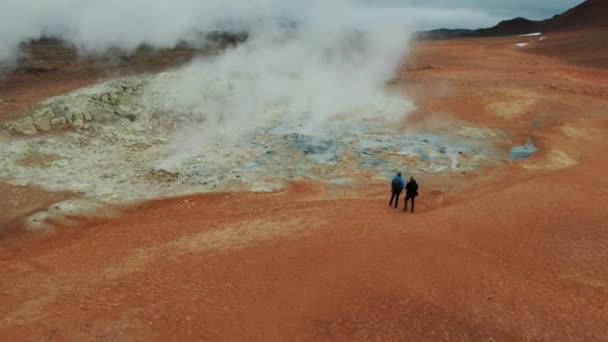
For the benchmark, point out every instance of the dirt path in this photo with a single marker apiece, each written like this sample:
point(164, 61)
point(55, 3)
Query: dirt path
point(513, 253)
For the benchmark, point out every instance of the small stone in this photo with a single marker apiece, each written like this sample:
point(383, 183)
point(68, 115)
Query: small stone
point(88, 116)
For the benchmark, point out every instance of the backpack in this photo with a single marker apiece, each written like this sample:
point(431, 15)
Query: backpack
point(395, 184)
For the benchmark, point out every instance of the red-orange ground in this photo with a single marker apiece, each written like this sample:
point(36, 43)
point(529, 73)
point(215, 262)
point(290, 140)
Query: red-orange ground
point(519, 252)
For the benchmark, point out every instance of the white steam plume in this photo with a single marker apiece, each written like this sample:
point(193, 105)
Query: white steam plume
point(305, 62)
point(97, 25)
point(321, 62)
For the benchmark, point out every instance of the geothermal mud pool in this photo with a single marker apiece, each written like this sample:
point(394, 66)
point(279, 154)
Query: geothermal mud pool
point(119, 141)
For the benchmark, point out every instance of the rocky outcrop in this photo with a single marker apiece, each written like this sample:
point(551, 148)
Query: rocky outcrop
point(80, 110)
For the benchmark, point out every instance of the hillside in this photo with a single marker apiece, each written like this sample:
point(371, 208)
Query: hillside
point(591, 14)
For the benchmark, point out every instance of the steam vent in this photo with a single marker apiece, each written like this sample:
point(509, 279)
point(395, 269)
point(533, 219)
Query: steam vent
point(110, 142)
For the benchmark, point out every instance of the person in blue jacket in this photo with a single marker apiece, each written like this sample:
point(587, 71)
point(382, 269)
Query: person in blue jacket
point(397, 186)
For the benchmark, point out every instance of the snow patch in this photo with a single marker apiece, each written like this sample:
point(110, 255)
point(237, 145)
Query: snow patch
point(530, 34)
point(521, 44)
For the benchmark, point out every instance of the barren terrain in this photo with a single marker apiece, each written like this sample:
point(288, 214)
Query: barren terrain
point(517, 250)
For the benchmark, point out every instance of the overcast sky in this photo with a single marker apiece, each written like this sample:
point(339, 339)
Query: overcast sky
point(97, 24)
point(431, 14)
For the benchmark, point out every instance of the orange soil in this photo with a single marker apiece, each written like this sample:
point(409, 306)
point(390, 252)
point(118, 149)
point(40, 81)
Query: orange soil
point(518, 252)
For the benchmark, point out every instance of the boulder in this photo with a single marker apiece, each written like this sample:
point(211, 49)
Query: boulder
point(105, 98)
point(115, 98)
point(43, 122)
point(55, 122)
point(60, 109)
point(24, 126)
point(78, 116)
point(78, 124)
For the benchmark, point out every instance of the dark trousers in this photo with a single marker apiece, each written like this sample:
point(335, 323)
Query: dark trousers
point(407, 198)
point(395, 196)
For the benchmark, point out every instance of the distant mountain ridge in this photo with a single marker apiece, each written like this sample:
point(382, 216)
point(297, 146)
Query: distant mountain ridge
point(589, 14)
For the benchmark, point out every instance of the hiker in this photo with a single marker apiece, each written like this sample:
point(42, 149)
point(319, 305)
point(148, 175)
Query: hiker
point(411, 191)
point(397, 186)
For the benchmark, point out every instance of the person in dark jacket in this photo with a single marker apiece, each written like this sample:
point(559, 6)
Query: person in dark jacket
point(411, 191)
point(397, 185)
